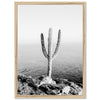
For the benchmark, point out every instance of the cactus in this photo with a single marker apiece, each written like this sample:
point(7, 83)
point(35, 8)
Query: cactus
point(50, 55)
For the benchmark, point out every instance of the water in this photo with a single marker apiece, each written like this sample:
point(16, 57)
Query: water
point(67, 63)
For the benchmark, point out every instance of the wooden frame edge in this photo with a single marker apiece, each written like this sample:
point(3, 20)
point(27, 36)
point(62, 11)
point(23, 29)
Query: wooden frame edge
point(48, 3)
point(84, 47)
point(50, 96)
point(15, 23)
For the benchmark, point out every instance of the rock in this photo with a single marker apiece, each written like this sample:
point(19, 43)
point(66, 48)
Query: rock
point(47, 80)
point(62, 81)
point(73, 91)
point(65, 81)
point(41, 77)
point(80, 92)
point(50, 89)
point(31, 83)
point(66, 90)
point(46, 86)
point(22, 78)
point(76, 89)
point(24, 89)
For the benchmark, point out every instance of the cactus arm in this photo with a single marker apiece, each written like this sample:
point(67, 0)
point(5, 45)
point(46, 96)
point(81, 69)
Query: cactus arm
point(43, 46)
point(58, 43)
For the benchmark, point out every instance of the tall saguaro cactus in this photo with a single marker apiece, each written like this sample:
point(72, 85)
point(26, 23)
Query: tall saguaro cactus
point(50, 55)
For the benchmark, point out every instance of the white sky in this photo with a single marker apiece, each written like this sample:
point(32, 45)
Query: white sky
point(36, 19)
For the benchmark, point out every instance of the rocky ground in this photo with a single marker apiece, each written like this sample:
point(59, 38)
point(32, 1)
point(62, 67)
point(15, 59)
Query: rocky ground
point(46, 86)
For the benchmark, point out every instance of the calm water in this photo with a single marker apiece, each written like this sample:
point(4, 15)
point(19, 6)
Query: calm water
point(67, 63)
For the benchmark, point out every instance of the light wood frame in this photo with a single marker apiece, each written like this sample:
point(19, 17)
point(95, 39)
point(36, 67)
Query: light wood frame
point(84, 49)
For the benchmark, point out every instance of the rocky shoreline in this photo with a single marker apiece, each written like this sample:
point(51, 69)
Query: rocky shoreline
point(45, 86)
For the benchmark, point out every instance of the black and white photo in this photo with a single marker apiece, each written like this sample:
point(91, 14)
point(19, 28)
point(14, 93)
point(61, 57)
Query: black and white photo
point(50, 49)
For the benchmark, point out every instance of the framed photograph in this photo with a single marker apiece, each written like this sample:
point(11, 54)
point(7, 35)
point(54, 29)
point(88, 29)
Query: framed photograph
point(50, 50)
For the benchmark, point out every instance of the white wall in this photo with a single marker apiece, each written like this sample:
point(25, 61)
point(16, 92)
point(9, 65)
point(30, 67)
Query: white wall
point(7, 49)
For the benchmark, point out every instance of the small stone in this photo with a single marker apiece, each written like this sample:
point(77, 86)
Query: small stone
point(80, 92)
point(66, 90)
point(47, 80)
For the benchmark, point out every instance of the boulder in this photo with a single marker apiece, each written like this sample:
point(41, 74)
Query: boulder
point(66, 90)
point(47, 80)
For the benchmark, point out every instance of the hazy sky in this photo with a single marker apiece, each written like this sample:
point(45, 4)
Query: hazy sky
point(36, 19)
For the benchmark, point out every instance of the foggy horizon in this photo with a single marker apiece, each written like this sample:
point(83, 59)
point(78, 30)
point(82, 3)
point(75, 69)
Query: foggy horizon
point(36, 19)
